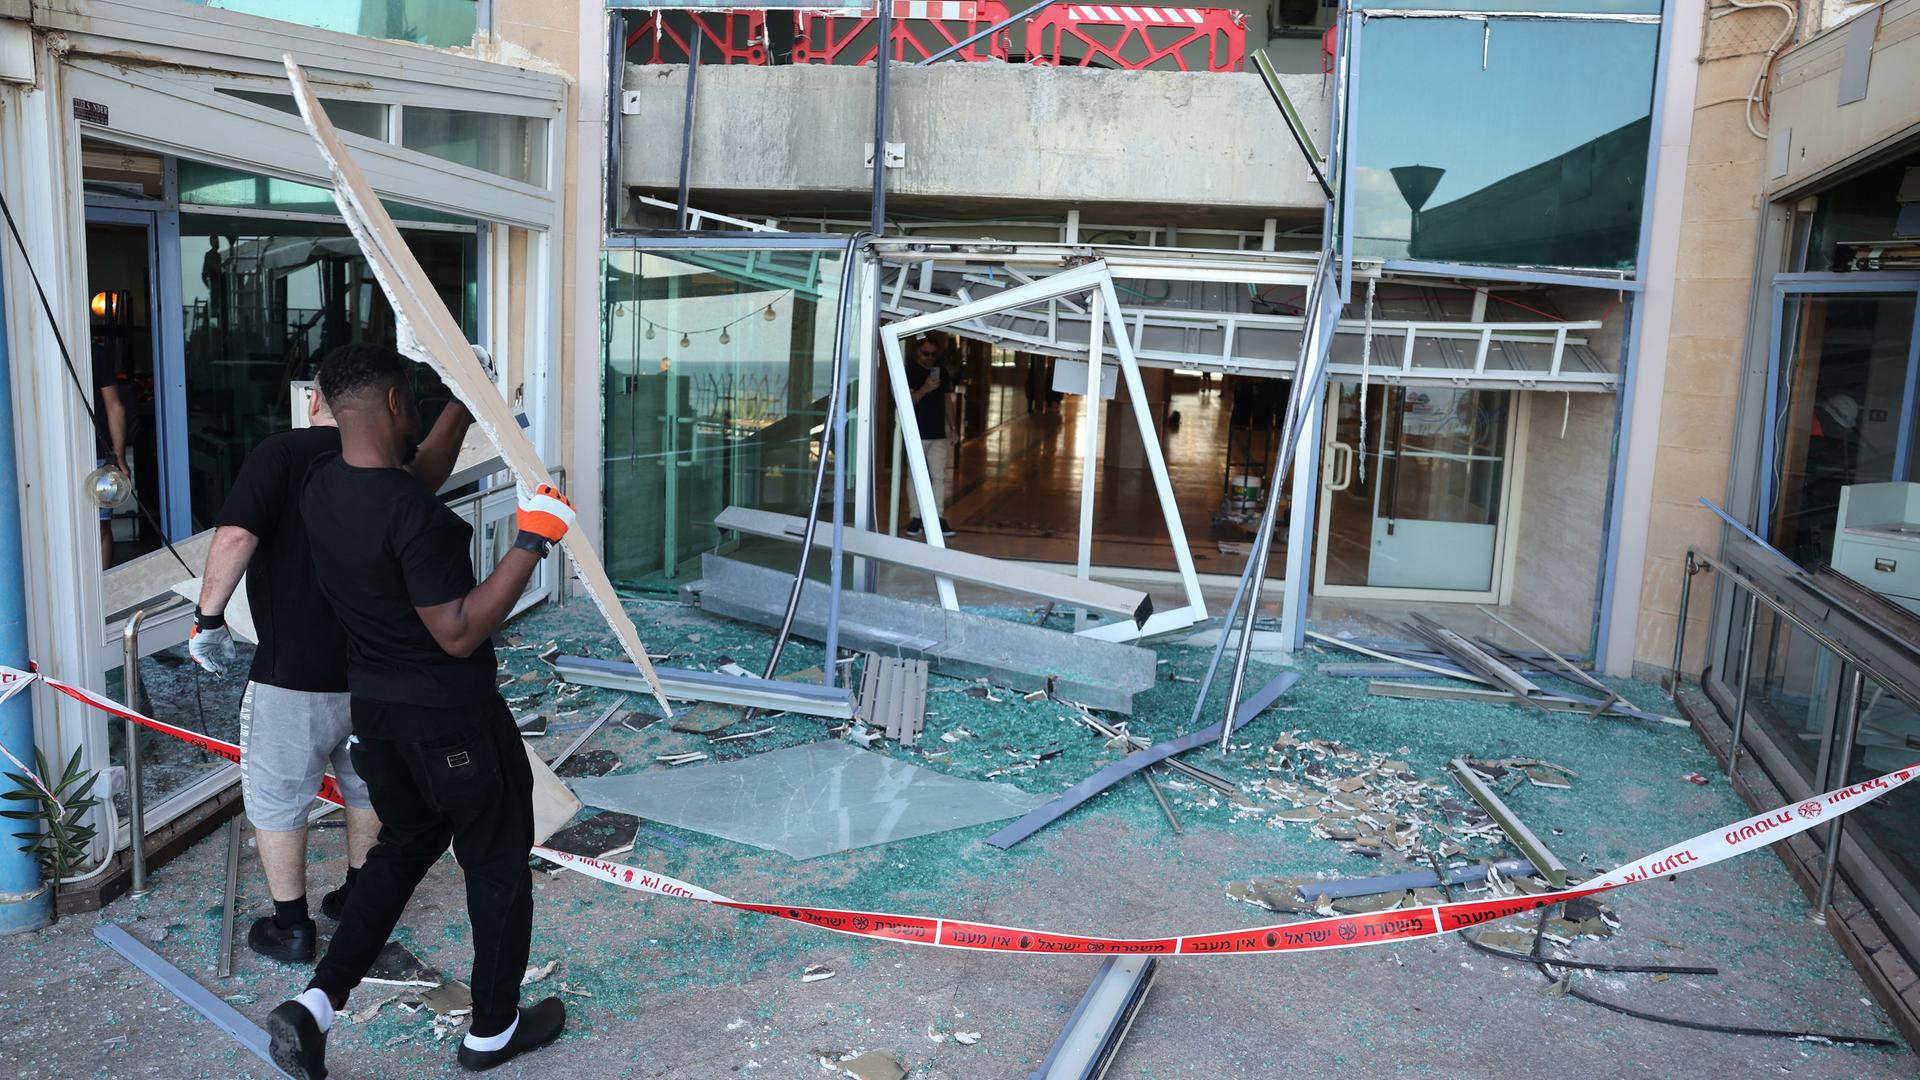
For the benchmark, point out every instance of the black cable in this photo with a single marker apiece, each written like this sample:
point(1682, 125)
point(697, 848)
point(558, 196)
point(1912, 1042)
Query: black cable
point(1635, 969)
point(1674, 1021)
point(86, 399)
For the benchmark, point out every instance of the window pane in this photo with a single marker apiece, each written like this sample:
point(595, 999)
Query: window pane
point(367, 118)
point(1509, 142)
point(717, 366)
point(440, 23)
point(1840, 400)
point(265, 300)
point(216, 185)
point(511, 146)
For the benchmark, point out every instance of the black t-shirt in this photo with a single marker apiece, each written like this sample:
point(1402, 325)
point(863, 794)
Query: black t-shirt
point(302, 646)
point(385, 545)
point(930, 411)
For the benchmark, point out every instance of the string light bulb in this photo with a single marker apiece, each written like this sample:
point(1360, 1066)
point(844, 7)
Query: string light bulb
point(649, 332)
point(768, 314)
point(725, 338)
point(686, 342)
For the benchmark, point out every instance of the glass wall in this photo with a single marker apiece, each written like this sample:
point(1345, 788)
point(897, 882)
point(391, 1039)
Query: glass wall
point(1501, 141)
point(440, 23)
point(718, 365)
point(1797, 694)
point(264, 301)
point(511, 146)
point(1842, 412)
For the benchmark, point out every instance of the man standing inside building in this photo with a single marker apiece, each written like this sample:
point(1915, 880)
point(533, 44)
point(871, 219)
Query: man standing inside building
point(928, 383)
point(433, 739)
point(294, 718)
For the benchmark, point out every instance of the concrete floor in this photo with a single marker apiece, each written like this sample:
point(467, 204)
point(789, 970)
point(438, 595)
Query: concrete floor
point(663, 988)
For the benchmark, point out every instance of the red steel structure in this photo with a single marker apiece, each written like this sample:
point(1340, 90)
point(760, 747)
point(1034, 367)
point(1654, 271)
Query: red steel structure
point(1128, 38)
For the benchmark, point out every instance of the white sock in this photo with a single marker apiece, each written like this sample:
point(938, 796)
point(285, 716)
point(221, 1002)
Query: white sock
point(315, 999)
point(492, 1042)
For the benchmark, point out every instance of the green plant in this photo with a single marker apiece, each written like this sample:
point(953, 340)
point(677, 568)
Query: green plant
point(58, 841)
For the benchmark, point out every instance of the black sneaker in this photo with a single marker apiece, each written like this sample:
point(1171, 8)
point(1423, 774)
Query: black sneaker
point(947, 530)
point(332, 904)
point(296, 1042)
point(913, 527)
point(291, 944)
point(539, 1026)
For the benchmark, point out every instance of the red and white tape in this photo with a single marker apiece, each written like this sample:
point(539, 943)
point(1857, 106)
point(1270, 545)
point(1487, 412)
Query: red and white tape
point(1335, 932)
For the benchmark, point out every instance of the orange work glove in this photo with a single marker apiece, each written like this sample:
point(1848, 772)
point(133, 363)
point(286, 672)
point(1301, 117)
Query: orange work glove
point(544, 517)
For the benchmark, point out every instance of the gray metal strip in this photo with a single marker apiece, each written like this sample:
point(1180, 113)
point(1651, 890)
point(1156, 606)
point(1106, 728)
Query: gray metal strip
point(1093, 1031)
point(581, 739)
point(1523, 838)
point(197, 997)
point(1093, 785)
point(949, 563)
point(832, 702)
point(1413, 691)
point(916, 711)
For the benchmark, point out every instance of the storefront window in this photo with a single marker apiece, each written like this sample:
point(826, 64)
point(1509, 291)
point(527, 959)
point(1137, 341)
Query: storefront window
point(511, 146)
point(718, 365)
point(202, 184)
point(367, 118)
point(265, 300)
point(1501, 141)
point(1841, 412)
point(440, 23)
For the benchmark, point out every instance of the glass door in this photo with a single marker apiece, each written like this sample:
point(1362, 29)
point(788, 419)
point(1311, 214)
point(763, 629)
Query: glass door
point(1842, 402)
point(1415, 483)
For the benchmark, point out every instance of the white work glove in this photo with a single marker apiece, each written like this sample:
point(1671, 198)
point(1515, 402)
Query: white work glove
point(210, 643)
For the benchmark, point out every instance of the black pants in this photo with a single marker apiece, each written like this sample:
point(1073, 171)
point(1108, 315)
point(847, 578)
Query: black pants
point(473, 790)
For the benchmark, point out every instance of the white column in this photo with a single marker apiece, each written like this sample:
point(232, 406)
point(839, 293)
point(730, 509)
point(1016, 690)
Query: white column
point(1090, 449)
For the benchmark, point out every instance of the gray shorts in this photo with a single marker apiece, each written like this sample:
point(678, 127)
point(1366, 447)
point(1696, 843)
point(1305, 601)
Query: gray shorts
point(287, 740)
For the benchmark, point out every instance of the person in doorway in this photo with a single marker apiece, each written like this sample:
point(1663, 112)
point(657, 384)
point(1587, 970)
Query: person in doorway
point(109, 435)
point(432, 738)
point(928, 384)
point(294, 718)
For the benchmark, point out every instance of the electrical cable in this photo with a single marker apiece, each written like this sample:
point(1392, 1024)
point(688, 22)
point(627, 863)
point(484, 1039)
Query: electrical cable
point(86, 399)
point(1578, 994)
point(1756, 96)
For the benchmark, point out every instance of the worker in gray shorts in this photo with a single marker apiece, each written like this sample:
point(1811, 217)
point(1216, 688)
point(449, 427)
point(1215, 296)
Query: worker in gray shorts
point(294, 719)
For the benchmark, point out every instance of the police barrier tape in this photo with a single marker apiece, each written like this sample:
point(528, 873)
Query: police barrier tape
point(1335, 932)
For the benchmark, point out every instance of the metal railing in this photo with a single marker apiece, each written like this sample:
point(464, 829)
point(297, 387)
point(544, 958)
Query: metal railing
point(1855, 670)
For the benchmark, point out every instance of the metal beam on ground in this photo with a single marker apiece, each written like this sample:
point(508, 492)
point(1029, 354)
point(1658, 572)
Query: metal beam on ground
point(1531, 846)
point(1413, 691)
point(949, 563)
point(772, 694)
point(192, 994)
point(1475, 659)
point(1085, 1047)
point(1100, 781)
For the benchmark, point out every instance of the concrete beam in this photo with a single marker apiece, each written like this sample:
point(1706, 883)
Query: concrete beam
point(1056, 136)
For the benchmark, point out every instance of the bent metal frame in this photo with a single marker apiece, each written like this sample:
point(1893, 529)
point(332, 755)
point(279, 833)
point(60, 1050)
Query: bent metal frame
point(1091, 278)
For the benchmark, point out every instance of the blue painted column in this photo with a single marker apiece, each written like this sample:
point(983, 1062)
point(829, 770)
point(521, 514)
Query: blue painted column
point(25, 903)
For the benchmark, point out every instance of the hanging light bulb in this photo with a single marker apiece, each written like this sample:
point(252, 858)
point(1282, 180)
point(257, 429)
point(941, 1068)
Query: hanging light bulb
point(686, 342)
point(725, 338)
point(649, 334)
point(768, 314)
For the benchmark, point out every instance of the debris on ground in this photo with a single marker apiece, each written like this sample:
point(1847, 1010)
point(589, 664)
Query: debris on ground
point(397, 966)
point(817, 973)
point(589, 763)
point(1369, 802)
point(874, 1065)
point(537, 972)
point(966, 1038)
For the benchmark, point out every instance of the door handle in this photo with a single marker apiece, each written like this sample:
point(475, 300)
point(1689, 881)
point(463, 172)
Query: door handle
point(1340, 467)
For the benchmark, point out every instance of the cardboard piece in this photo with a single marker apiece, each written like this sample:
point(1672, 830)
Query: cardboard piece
point(427, 332)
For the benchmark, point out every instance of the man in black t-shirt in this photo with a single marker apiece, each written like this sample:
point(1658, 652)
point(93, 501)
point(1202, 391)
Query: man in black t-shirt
point(294, 716)
point(932, 408)
point(432, 737)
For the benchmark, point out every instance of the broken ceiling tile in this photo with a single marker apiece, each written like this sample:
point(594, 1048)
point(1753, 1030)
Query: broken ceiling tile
point(396, 966)
point(534, 725)
point(966, 1038)
point(1541, 776)
point(875, 1065)
point(1514, 941)
point(589, 763)
point(537, 972)
point(605, 833)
